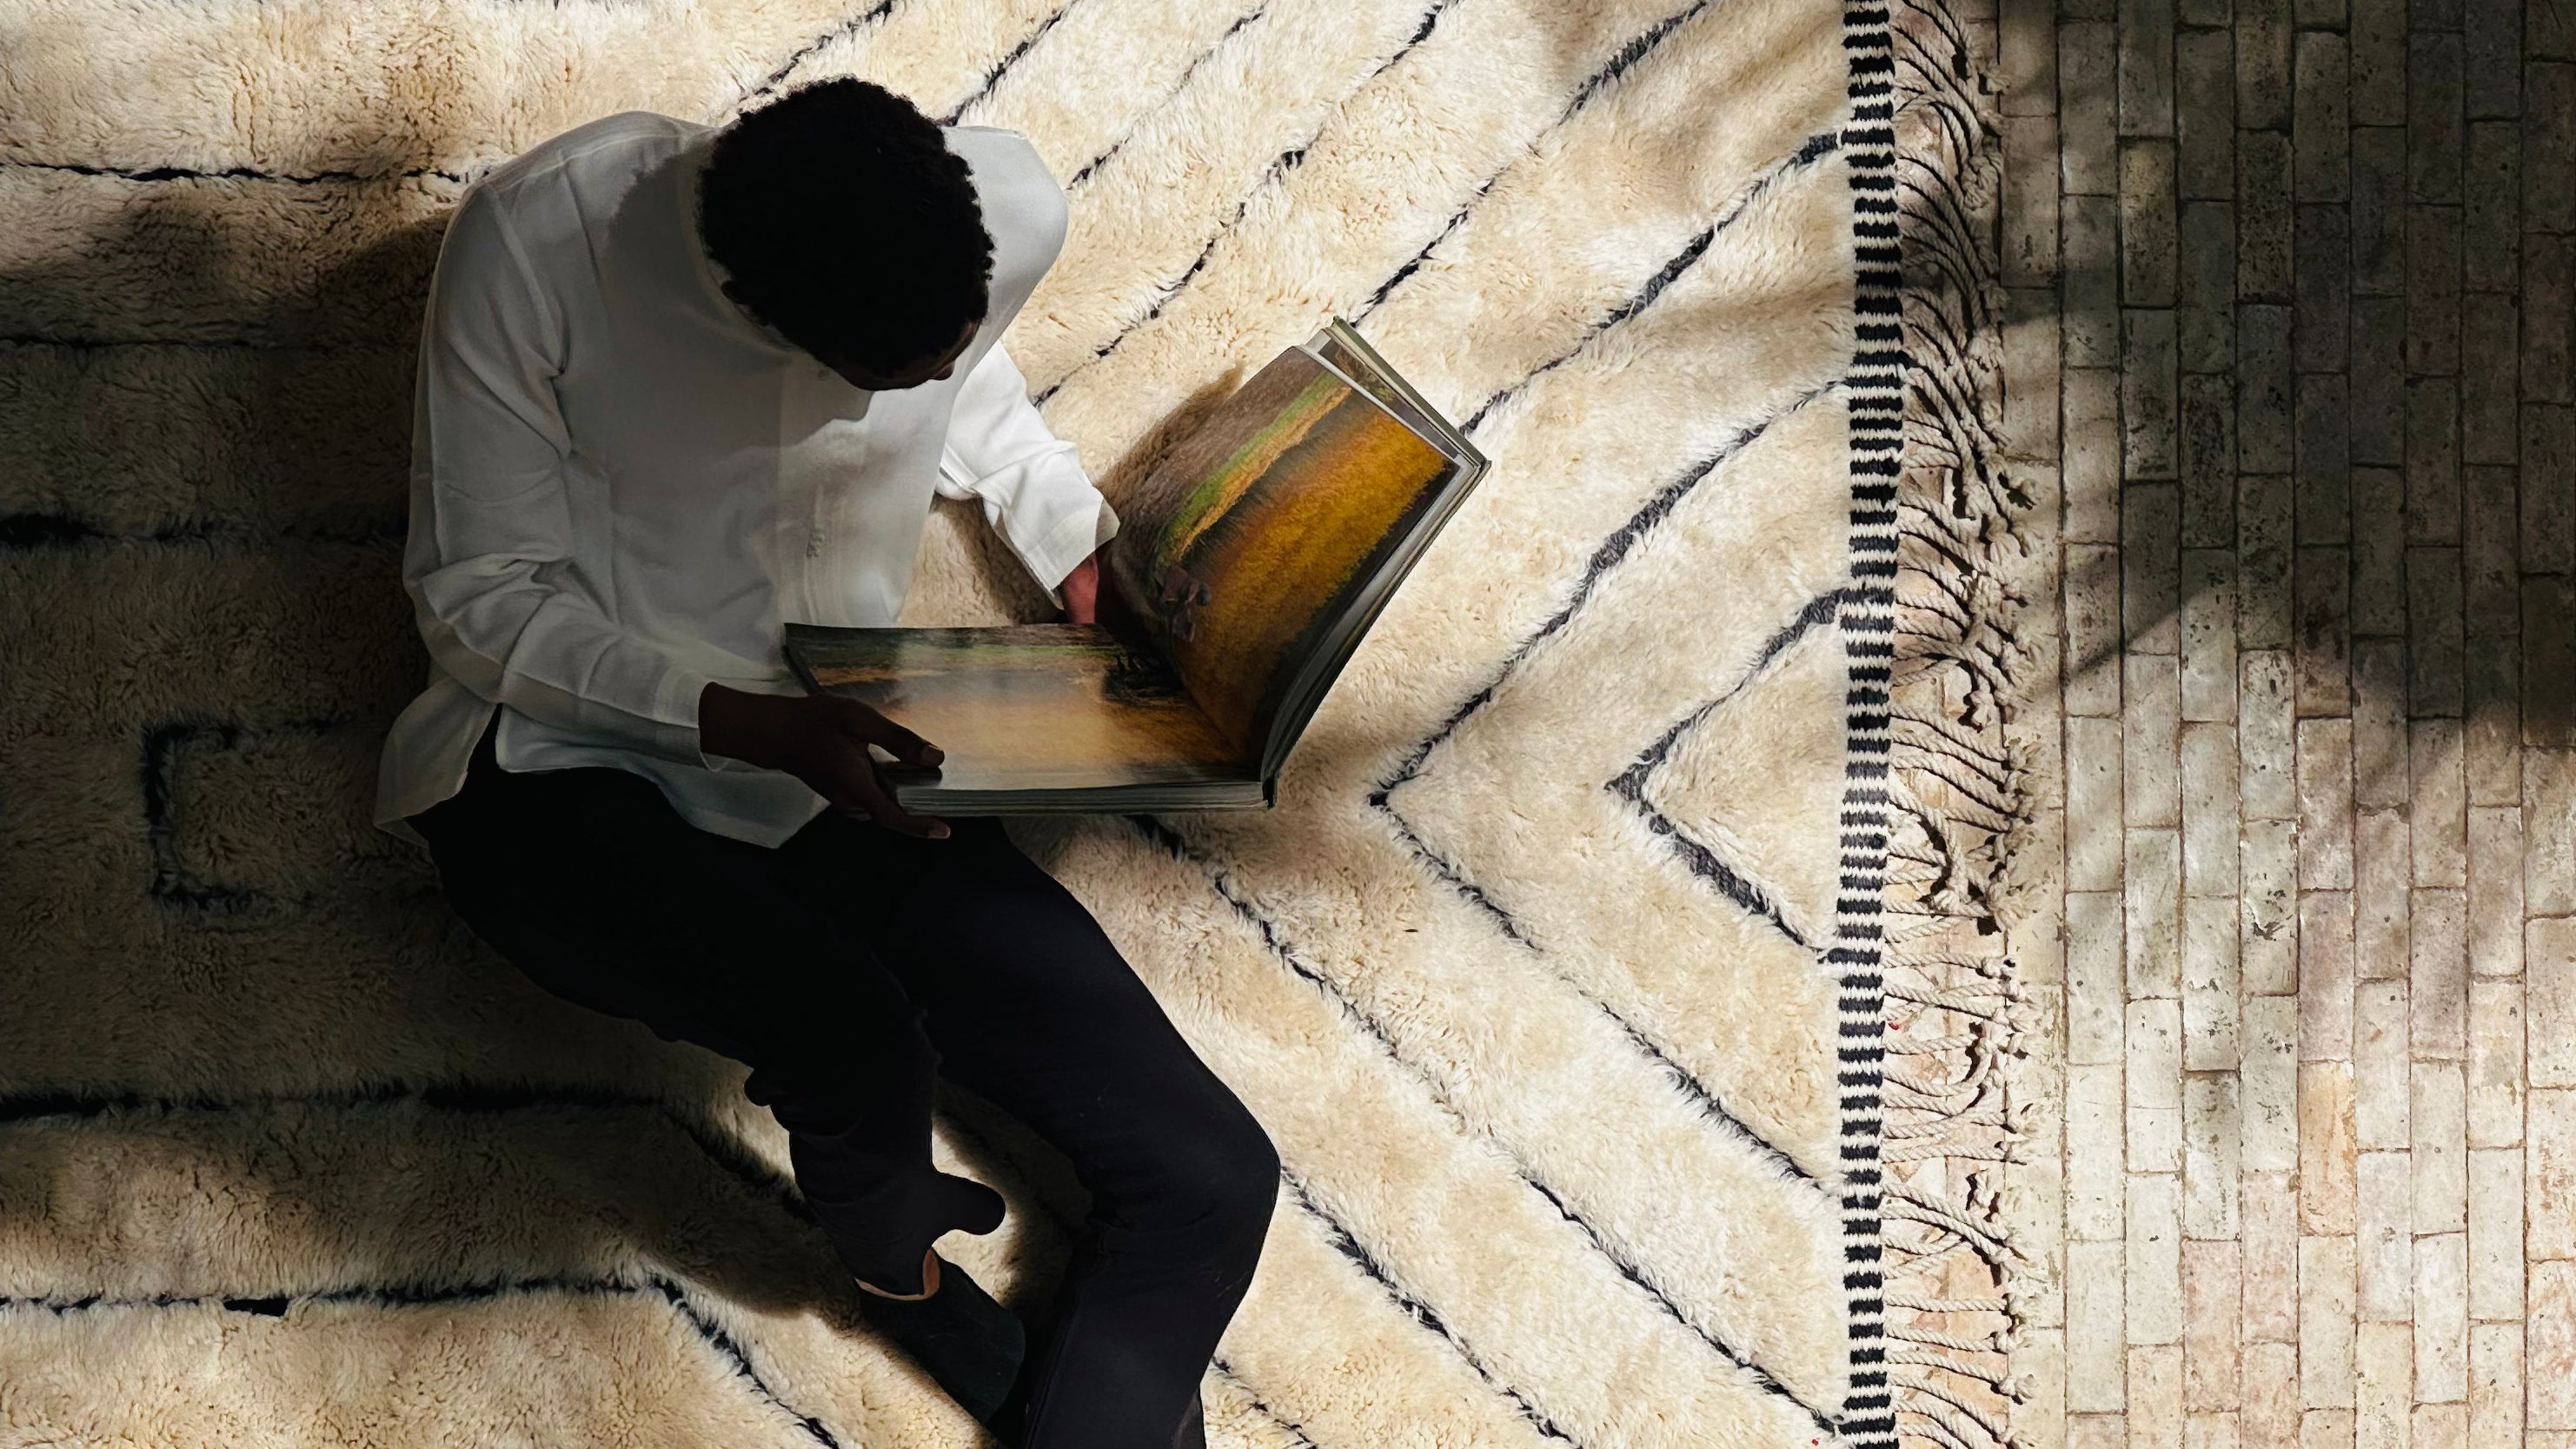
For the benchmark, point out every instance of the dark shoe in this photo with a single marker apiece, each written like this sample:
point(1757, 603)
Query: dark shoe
point(1193, 1431)
point(883, 1238)
point(969, 1344)
point(1010, 1422)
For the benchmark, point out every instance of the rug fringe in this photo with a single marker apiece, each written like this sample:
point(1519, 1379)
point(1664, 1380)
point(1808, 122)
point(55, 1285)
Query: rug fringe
point(1952, 1124)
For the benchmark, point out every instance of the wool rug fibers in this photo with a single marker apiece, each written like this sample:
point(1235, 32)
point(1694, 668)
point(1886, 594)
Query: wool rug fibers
point(1571, 973)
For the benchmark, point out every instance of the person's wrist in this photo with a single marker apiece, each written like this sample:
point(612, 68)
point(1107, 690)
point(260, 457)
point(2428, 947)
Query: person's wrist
point(720, 720)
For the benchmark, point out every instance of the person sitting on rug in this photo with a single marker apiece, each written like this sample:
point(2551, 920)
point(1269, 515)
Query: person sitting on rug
point(678, 383)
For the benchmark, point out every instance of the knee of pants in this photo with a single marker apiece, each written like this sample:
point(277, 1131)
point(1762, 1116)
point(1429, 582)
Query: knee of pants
point(1215, 1184)
point(814, 1079)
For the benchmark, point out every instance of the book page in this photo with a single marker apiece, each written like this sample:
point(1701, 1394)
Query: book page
point(1361, 370)
point(1022, 706)
point(1260, 528)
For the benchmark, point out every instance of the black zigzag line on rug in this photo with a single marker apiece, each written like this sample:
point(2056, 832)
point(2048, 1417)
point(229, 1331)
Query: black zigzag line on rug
point(1616, 546)
point(984, 86)
point(726, 1152)
point(714, 1333)
point(1630, 783)
point(1816, 148)
point(852, 26)
point(1760, 1376)
point(993, 76)
point(1423, 1313)
point(801, 54)
point(391, 1295)
point(1179, 848)
point(1628, 55)
point(1636, 49)
point(1606, 557)
point(1337, 1234)
point(1280, 165)
point(63, 343)
point(33, 342)
point(396, 1296)
point(1868, 1415)
point(1295, 1431)
point(1083, 173)
point(155, 174)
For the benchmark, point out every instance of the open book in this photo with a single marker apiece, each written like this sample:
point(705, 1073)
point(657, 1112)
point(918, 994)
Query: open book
point(1254, 557)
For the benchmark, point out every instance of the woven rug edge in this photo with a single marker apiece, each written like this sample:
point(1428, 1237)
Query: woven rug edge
point(1939, 808)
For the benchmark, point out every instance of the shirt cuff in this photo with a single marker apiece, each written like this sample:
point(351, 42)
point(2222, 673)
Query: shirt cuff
point(1078, 537)
point(676, 710)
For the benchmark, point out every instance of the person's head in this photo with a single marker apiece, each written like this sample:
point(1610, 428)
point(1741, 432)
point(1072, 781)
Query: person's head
point(841, 218)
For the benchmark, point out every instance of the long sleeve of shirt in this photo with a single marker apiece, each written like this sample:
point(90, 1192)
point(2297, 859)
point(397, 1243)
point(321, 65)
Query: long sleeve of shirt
point(1032, 484)
point(492, 530)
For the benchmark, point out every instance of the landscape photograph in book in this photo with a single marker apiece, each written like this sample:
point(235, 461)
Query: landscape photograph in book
point(1272, 516)
point(1024, 706)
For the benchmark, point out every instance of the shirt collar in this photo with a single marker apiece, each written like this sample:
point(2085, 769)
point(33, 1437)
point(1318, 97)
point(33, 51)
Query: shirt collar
point(711, 276)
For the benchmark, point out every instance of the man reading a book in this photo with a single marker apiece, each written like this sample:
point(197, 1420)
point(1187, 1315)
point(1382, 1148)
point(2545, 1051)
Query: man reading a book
point(679, 384)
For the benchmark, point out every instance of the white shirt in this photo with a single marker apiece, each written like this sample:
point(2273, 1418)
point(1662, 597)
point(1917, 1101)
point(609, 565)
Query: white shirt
point(622, 484)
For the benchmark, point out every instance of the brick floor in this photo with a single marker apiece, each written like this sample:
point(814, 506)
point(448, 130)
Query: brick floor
point(2291, 288)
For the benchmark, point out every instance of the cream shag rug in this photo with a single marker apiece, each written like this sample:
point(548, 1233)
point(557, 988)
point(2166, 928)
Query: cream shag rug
point(1613, 975)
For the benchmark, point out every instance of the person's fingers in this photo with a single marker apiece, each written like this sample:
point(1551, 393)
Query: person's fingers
point(852, 717)
point(864, 794)
point(849, 784)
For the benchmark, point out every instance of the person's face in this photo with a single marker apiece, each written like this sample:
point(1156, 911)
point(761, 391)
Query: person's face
point(925, 369)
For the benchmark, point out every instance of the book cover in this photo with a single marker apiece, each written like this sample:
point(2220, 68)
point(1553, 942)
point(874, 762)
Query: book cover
point(1262, 528)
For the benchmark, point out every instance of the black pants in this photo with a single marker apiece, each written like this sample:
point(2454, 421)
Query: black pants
point(843, 967)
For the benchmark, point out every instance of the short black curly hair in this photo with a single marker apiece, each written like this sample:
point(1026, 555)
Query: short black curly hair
point(844, 221)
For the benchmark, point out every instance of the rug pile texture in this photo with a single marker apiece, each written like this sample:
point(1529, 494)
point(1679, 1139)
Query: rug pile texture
point(1614, 974)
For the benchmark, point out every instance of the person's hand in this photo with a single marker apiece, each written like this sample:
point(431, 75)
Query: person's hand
point(1091, 595)
point(821, 739)
point(1081, 590)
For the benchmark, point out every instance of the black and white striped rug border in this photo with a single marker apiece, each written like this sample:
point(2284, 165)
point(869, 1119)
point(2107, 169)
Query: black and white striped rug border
point(1876, 399)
